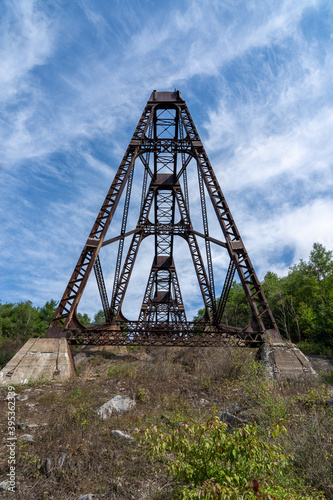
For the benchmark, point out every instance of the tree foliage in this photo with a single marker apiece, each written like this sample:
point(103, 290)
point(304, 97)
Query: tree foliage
point(301, 302)
point(21, 321)
point(24, 320)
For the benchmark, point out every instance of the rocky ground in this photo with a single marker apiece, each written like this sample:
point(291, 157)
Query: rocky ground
point(74, 441)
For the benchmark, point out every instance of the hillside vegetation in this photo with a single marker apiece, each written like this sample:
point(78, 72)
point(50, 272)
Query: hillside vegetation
point(282, 449)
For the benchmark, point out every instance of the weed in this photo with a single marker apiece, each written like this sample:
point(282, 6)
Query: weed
point(96, 359)
point(311, 442)
point(313, 397)
point(48, 399)
point(41, 380)
point(113, 370)
point(77, 393)
point(79, 370)
point(206, 382)
point(128, 371)
point(328, 377)
point(80, 414)
point(142, 395)
point(29, 460)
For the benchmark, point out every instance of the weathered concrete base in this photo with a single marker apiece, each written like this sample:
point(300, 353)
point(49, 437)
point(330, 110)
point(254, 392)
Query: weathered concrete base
point(48, 359)
point(284, 361)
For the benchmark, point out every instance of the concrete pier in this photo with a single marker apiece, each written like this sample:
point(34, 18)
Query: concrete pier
point(284, 361)
point(46, 359)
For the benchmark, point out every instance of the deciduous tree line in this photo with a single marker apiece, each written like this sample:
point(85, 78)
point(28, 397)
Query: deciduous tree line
point(302, 302)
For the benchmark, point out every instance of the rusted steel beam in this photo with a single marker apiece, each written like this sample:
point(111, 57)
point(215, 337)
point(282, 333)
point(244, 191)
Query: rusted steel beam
point(225, 291)
point(102, 289)
point(181, 334)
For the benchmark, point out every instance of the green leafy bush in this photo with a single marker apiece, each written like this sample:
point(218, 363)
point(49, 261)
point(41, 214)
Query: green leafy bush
point(210, 462)
point(317, 349)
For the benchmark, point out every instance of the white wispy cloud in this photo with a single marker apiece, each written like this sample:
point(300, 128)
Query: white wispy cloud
point(26, 41)
point(74, 81)
point(291, 228)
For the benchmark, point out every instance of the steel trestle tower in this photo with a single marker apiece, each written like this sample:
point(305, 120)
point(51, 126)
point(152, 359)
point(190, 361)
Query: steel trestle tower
point(167, 144)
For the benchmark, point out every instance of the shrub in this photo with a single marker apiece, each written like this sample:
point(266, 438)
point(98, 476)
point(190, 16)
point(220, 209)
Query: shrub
point(312, 446)
point(314, 348)
point(142, 395)
point(224, 363)
point(213, 463)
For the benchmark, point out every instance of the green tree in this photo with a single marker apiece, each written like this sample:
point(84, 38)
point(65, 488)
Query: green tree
point(281, 304)
point(84, 319)
point(21, 321)
point(18, 322)
point(46, 313)
point(302, 301)
point(237, 310)
point(18, 319)
point(311, 286)
point(99, 317)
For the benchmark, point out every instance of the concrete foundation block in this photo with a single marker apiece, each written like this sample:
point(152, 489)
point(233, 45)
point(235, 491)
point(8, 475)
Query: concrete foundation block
point(284, 361)
point(48, 359)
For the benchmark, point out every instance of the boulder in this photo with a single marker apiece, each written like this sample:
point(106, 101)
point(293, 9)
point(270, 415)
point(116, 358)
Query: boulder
point(117, 404)
point(231, 420)
point(47, 466)
point(22, 397)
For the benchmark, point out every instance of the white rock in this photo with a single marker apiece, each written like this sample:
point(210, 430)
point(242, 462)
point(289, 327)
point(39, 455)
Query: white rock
point(27, 437)
point(22, 397)
point(117, 404)
point(4, 485)
point(122, 435)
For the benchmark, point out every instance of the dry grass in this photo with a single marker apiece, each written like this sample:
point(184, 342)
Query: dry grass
point(169, 385)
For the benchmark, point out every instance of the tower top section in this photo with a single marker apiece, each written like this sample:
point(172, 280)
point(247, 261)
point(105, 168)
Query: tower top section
point(174, 96)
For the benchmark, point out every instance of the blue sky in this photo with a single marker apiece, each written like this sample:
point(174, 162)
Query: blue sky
point(74, 78)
